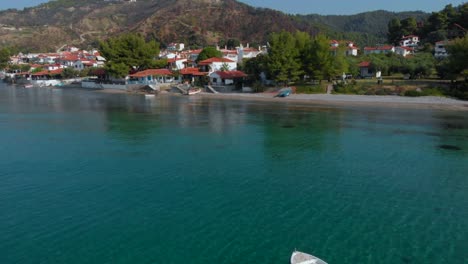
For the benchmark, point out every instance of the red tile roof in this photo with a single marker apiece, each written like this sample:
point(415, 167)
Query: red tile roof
point(231, 74)
point(364, 64)
point(70, 58)
point(152, 72)
point(198, 51)
point(409, 36)
point(405, 48)
point(44, 73)
point(379, 48)
point(189, 70)
point(212, 60)
point(89, 63)
point(192, 71)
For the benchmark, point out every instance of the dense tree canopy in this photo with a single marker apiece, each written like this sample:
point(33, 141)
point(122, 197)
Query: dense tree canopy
point(256, 66)
point(397, 29)
point(320, 59)
point(128, 52)
point(283, 62)
point(209, 52)
point(68, 73)
point(450, 22)
point(458, 59)
point(4, 57)
point(229, 44)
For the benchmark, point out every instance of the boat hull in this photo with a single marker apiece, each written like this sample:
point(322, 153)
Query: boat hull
point(193, 91)
point(298, 257)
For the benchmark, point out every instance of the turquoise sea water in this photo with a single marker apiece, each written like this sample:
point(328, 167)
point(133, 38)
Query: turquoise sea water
point(87, 177)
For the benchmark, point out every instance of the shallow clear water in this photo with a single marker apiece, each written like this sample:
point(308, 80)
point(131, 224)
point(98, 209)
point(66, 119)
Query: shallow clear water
point(88, 177)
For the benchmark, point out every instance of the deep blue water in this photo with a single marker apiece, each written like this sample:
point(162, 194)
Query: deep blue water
point(89, 177)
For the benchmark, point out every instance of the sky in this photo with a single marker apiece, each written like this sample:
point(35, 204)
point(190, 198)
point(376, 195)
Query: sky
point(336, 7)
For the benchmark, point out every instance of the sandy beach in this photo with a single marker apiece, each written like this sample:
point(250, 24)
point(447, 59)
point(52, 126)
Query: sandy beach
point(425, 102)
point(337, 100)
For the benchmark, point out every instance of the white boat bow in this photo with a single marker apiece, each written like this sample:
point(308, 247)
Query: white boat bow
point(298, 257)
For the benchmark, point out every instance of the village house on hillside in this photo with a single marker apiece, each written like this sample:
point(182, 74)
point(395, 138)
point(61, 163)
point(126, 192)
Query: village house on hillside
point(176, 54)
point(218, 64)
point(440, 51)
point(409, 41)
point(349, 50)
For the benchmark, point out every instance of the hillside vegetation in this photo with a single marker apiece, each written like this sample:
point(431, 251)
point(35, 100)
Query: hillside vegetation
point(196, 22)
point(367, 27)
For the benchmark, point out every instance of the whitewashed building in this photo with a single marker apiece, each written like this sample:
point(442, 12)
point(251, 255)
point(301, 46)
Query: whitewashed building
point(440, 50)
point(218, 64)
point(409, 41)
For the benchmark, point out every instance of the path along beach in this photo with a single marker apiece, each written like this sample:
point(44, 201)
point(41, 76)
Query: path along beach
point(337, 100)
point(426, 102)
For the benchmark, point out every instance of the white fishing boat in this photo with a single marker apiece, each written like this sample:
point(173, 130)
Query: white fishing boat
point(298, 257)
point(193, 91)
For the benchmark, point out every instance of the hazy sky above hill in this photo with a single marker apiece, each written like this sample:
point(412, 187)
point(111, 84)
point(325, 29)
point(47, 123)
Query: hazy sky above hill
point(337, 7)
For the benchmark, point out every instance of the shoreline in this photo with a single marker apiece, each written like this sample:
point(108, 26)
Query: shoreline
point(334, 100)
point(337, 100)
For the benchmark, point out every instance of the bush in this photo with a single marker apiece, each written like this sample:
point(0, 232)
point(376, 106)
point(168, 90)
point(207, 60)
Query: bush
point(310, 89)
point(383, 91)
point(413, 93)
point(342, 88)
point(432, 92)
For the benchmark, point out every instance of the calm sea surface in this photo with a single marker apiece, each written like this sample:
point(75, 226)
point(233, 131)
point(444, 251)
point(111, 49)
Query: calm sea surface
point(87, 177)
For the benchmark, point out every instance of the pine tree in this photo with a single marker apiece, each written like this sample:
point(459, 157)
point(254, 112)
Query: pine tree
point(320, 62)
point(394, 31)
point(126, 52)
point(283, 58)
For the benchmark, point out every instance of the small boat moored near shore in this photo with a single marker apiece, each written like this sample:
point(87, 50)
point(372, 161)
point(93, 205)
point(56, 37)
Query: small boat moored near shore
point(193, 91)
point(298, 257)
point(284, 92)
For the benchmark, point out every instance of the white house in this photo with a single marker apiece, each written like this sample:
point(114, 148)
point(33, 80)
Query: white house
point(51, 67)
point(230, 54)
point(247, 53)
point(71, 49)
point(151, 76)
point(46, 58)
point(177, 63)
point(81, 64)
point(217, 64)
point(68, 60)
point(409, 41)
point(334, 43)
point(176, 47)
point(225, 77)
point(350, 49)
point(439, 50)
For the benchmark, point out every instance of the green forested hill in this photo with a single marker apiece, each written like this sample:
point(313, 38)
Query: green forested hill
point(364, 28)
point(195, 22)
